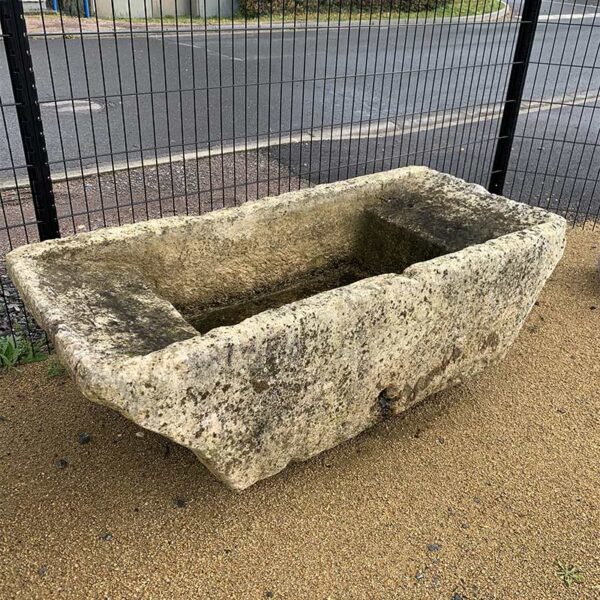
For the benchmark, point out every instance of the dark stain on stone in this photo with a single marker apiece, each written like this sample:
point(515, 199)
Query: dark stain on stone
point(429, 221)
point(491, 341)
point(259, 385)
point(114, 302)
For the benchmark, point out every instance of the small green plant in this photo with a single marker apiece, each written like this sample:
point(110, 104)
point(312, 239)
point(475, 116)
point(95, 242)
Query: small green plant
point(15, 350)
point(55, 369)
point(9, 354)
point(568, 574)
point(30, 353)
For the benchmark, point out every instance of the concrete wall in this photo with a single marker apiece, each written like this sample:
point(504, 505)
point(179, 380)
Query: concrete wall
point(33, 6)
point(168, 8)
point(227, 9)
point(153, 8)
point(122, 8)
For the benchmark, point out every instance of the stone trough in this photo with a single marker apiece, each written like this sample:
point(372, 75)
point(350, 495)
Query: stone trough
point(265, 334)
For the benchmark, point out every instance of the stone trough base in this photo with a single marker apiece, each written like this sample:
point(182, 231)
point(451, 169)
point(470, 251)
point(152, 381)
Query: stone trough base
point(265, 334)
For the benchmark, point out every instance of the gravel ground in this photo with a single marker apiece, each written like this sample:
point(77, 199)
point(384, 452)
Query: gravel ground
point(179, 188)
point(472, 495)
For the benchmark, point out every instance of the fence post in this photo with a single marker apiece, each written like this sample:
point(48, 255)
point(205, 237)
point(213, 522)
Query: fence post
point(20, 67)
point(514, 94)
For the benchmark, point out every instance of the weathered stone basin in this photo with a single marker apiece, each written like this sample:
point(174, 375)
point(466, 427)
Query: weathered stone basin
point(265, 334)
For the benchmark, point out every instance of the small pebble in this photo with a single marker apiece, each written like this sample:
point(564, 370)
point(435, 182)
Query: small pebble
point(593, 307)
point(433, 547)
point(139, 434)
point(465, 526)
point(84, 438)
point(420, 576)
point(457, 596)
point(268, 594)
point(61, 463)
point(180, 502)
point(43, 570)
point(106, 537)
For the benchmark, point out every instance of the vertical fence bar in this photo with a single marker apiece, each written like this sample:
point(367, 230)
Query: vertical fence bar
point(22, 78)
point(514, 94)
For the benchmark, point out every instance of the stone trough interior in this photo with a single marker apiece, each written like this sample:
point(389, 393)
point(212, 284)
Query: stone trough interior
point(386, 238)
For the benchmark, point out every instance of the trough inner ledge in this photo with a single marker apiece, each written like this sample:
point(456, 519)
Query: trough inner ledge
point(264, 334)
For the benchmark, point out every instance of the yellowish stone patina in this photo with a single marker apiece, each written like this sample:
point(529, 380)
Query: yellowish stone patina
point(267, 333)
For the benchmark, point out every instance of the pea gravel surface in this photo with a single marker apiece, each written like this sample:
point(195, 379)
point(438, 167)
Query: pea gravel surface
point(474, 494)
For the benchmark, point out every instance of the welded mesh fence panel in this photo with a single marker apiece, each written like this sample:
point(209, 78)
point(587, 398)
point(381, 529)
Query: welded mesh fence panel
point(18, 223)
point(555, 161)
point(160, 108)
point(153, 110)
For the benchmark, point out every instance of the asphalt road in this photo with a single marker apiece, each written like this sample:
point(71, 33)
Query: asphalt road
point(324, 98)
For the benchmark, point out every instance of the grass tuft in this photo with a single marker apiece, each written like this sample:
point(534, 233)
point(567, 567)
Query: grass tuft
point(55, 369)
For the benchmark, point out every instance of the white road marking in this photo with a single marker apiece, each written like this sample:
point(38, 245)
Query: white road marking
point(211, 51)
point(561, 3)
point(568, 16)
point(68, 106)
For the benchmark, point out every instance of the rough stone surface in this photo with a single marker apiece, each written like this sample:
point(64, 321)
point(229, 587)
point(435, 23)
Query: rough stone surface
point(436, 278)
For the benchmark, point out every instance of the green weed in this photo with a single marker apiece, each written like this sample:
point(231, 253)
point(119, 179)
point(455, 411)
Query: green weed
point(55, 369)
point(17, 350)
point(568, 574)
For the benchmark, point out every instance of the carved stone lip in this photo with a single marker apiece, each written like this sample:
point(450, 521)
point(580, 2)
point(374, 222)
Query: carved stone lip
point(267, 333)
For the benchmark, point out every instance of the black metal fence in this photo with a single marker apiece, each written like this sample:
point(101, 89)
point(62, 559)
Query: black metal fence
point(115, 111)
